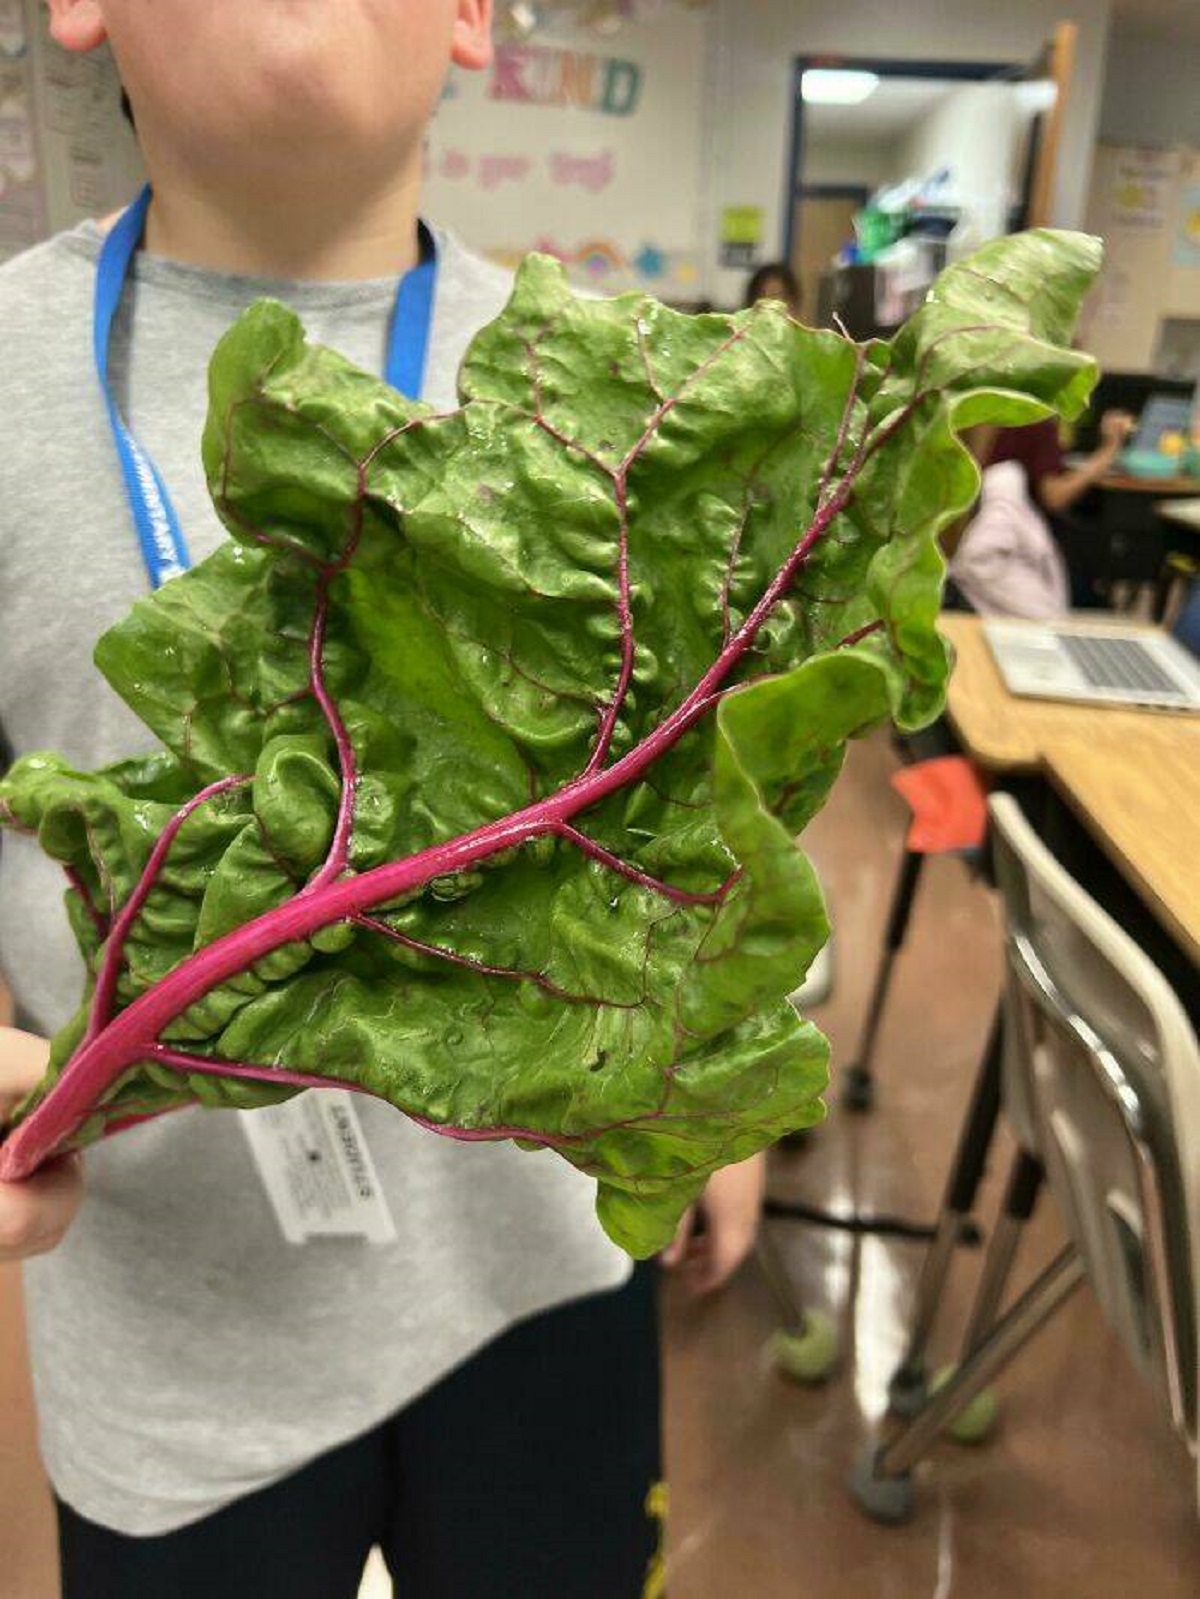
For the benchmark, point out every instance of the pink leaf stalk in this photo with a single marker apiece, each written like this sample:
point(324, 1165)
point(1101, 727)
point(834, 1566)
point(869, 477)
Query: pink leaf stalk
point(95, 915)
point(339, 850)
point(109, 974)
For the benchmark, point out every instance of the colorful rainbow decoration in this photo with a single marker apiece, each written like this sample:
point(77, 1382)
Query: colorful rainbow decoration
point(598, 257)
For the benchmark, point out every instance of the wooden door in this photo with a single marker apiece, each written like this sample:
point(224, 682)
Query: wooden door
point(822, 225)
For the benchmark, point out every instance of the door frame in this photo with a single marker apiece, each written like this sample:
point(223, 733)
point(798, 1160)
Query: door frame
point(1057, 64)
point(882, 67)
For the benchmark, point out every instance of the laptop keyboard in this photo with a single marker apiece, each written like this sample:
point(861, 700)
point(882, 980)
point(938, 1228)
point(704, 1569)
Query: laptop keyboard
point(1118, 663)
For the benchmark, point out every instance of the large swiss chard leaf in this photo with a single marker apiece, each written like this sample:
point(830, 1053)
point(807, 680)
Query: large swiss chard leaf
point(453, 802)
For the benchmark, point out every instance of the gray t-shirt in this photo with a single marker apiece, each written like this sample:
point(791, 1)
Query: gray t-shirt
point(183, 1353)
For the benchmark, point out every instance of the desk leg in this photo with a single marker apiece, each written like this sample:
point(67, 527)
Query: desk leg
point(907, 1389)
point(858, 1083)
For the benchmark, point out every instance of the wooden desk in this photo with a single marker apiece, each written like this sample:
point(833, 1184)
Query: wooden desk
point(1122, 483)
point(1119, 482)
point(1133, 777)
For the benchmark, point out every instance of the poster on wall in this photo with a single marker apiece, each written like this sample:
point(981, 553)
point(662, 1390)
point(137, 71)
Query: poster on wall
point(741, 235)
point(91, 162)
point(22, 202)
point(1143, 181)
point(1187, 230)
point(584, 147)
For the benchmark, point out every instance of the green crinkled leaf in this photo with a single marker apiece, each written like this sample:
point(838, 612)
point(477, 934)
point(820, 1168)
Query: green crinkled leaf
point(458, 579)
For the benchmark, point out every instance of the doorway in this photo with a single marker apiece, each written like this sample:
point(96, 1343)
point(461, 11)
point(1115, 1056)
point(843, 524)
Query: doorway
point(822, 222)
point(979, 131)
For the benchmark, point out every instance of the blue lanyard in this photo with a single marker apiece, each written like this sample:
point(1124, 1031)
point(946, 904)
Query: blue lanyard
point(164, 548)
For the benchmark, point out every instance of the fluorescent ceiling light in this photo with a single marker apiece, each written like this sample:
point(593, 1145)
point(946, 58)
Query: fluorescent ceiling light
point(831, 86)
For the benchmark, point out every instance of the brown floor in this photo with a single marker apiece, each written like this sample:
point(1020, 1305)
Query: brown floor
point(1083, 1492)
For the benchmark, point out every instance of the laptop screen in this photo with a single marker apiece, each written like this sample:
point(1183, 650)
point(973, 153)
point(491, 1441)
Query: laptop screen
point(1163, 414)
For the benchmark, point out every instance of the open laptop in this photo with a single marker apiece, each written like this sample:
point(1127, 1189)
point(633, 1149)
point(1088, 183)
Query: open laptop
point(1162, 415)
point(1094, 665)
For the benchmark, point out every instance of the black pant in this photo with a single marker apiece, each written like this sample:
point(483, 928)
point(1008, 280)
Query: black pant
point(522, 1475)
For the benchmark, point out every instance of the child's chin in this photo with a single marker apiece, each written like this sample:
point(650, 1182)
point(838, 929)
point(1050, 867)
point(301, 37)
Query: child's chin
point(309, 109)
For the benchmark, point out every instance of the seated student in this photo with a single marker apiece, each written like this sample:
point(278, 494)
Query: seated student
point(1007, 562)
point(1053, 485)
point(774, 280)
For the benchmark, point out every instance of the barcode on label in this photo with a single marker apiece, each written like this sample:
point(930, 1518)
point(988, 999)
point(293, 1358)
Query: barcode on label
point(317, 1169)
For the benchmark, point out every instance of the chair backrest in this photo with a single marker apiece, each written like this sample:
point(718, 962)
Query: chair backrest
point(1102, 1082)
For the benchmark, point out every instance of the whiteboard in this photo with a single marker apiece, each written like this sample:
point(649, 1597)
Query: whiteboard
point(585, 147)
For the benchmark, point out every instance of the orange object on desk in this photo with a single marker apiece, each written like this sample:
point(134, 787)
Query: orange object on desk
point(948, 804)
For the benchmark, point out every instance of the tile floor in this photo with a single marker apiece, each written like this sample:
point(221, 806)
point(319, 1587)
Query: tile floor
point(1083, 1493)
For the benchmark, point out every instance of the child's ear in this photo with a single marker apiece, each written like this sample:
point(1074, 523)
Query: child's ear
point(77, 24)
point(472, 46)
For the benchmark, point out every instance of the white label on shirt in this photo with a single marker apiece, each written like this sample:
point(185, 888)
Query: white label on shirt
point(317, 1169)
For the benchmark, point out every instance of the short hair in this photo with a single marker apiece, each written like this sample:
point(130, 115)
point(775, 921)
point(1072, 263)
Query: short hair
point(763, 275)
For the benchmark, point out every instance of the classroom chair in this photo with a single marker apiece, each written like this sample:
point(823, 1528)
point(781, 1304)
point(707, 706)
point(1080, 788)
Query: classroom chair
point(1100, 1074)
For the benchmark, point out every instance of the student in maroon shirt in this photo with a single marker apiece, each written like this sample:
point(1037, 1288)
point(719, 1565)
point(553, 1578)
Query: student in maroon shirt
point(1007, 560)
point(1053, 485)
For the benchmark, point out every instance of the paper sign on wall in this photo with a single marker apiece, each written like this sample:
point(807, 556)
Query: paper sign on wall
point(22, 204)
point(534, 75)
point(13, 41)
point(591, 157)
point(741, 235)
point(1187, 233)
point(1142, 185)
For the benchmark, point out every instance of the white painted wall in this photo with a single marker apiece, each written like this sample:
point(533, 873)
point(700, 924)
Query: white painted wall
point(1151, 93)
point(755, 41)
point(847, 161)
point(973, 133)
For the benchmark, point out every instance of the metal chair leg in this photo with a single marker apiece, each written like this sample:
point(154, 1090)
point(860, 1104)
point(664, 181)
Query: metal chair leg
point(907, 1389)
point(1020, 1199)
point(882, 1480)
point(975, 1421)
point(857, 1082)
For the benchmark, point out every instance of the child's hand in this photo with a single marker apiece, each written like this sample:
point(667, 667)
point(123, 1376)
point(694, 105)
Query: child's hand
point(34, 1214)
point(1116, 428)
point(728, 1210)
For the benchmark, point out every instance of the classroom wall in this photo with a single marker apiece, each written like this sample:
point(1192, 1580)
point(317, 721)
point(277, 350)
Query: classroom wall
point(848, 161)
point(586, 147)
point(1151, 92)
point(753, 46)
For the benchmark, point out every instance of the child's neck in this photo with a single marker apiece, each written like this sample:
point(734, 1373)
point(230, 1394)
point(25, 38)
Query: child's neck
point(341, 237)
